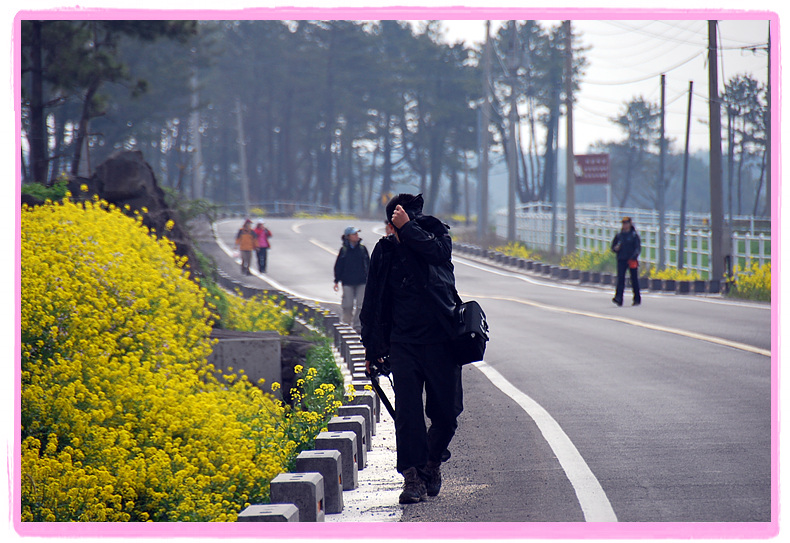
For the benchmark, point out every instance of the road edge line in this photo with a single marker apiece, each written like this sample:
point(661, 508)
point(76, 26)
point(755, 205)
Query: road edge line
point(593, 500)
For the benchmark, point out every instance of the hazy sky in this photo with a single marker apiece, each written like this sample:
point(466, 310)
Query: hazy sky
point(627, 57)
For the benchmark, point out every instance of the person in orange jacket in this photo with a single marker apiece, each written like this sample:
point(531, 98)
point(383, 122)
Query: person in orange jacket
point(247, 242)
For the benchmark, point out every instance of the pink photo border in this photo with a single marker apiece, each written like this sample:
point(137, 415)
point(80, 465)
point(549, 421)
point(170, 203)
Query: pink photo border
point(460, 530)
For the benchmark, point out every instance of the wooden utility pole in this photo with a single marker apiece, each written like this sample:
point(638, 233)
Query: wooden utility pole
point(683, 196)
point(716, 203)
point(570, 175)
point(485, 120)
point(661, 187)
point(512, 162)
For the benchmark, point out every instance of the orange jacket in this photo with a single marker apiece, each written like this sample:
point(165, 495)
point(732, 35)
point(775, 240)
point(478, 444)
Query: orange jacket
point(247, 240)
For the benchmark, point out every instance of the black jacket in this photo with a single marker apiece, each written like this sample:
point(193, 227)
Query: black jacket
point(351, 265)
point(425, 253)
point(630, 245)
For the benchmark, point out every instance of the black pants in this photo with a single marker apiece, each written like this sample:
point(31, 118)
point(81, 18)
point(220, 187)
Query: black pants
point(262, 258)
point(430, 368)
point(622, 267)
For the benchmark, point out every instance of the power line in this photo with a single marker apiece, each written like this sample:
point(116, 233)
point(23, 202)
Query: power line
point(649, 76)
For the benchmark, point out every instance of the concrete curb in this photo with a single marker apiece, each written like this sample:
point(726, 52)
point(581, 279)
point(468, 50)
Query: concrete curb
point(497, 258)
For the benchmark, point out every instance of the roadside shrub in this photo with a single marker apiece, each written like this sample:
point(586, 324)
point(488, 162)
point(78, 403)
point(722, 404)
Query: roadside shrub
point(258, 312)
point(602, 261)
point(56, 192)
point(122, 418)
point(516, 249)
point(752, 283)
point(674, 274)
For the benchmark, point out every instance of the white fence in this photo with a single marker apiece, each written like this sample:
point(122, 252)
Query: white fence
point(597, 226)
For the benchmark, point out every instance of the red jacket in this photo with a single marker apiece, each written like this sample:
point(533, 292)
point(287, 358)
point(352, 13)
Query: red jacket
point(263, 237)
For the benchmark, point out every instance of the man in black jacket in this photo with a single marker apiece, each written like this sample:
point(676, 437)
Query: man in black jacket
point(351, 270)
point(409, 299)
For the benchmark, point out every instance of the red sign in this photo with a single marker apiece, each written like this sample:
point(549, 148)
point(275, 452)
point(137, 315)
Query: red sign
point(592, 169)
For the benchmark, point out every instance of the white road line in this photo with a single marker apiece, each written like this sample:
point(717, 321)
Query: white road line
point(641, 324)
point(552, 284)
point(322, 246)
point(592, 498)
point(266, 278)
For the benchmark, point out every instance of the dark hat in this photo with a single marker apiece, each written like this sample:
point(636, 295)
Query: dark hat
point(411, 204)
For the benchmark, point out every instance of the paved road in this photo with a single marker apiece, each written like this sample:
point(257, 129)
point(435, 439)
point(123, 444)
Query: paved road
point(584, 410)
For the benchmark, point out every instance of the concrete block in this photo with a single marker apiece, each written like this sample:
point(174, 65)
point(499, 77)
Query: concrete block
point(369, 398)
point(346, 444)
point(356, 424)
point(259, 354)
point(304, 490)
point(365, 412)
point(270, 512)
point(328, 464)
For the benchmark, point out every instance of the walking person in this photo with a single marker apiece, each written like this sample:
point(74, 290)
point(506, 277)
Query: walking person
point(628, 246)
point(263, 235)
point(351, 270)
point(247, 242)
point(410, 288)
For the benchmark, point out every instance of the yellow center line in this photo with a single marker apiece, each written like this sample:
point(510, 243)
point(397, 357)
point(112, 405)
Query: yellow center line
point(649, 326)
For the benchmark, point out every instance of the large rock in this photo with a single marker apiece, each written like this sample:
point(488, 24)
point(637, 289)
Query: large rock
point(126, 179)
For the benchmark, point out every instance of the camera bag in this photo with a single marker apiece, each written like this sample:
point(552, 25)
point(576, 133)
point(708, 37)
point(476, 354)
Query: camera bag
point(471, 332)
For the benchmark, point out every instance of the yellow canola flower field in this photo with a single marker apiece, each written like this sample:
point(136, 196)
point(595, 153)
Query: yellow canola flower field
point(122, 418)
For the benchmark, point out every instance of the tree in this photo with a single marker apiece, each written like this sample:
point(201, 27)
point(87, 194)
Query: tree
point(745, 102)
point(73, 59)
point(639, 121)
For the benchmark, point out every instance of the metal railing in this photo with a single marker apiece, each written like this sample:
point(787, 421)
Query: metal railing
point(539, 229)
point(277, 208)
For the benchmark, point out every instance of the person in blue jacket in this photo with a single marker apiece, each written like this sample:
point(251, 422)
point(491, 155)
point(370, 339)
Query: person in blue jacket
point(628, 246)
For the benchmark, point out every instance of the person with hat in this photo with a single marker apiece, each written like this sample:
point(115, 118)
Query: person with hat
point(263, 234)
point(351, 270)
point(628, 246)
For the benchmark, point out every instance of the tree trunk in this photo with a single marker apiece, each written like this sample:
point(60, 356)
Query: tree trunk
point(37, 137)
point(82, 131)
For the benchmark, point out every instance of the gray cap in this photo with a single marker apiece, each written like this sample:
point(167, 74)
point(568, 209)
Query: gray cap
point(351, 230)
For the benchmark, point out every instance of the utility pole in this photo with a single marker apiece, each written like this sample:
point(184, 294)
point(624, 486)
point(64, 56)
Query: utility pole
point(683, 196)
point(570, 173)
point(485, 120)
point(661, 187)
point(512, 163)
point(716, 204)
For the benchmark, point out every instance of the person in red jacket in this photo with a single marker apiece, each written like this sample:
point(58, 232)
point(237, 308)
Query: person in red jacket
point(263, 234)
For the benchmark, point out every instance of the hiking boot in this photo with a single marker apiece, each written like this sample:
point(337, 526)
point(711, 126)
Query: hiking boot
point(432, 476)
point(413, 487)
